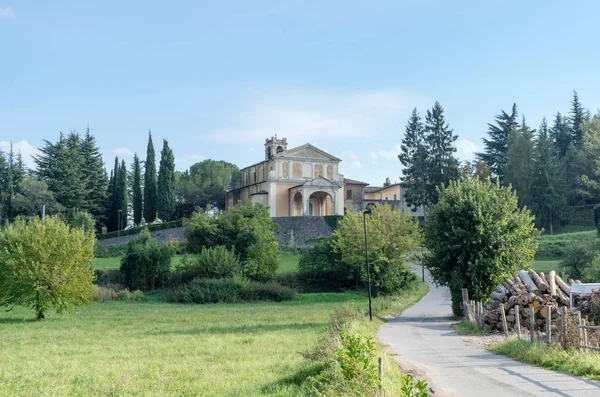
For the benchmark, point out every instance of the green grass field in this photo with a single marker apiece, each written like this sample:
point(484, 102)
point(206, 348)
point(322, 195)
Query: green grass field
point(545, 265)
point(155, 348)
point(287, 262)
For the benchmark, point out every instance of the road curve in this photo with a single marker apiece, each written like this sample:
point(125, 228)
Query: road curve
point(423, 341)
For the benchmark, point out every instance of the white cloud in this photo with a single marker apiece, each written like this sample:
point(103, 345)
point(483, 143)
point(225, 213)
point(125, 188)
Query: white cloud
point(387, 154)
point(466, 149)
point(26, 149)
point(123, 151)
point(6, 12)
point(306, 116)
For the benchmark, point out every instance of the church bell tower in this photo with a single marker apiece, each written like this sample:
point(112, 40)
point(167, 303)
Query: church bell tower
point(274, 145)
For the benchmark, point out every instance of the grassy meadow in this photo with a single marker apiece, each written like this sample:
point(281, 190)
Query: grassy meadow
point(156, 348)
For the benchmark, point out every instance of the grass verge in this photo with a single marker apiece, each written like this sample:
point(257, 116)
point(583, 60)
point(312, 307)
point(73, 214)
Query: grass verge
point(465, 327)
point(585, 364)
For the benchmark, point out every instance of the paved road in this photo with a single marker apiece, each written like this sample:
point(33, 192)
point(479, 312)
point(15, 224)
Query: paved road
point(424, 341)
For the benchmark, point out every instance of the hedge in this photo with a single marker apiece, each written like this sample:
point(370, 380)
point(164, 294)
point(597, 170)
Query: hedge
point(137, 230)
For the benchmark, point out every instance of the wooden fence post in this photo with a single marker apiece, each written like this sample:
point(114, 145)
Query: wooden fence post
point(518, 321)
point(580, 331)
point(532, 325)
point(549, 325)
point(585, 338)
point(504, 320)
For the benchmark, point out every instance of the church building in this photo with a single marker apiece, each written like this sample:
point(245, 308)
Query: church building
point(305, 181)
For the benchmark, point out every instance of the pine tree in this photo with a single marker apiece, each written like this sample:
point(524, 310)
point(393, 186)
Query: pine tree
point(19, 171)
point(442, 167)
point(150, 189)
point(137, 191)
point(10, 193)
point(549, 182)
point(576, 117)
point(561, 134)
point(495, 148)
point(387, 182)
point(414, 156)
point(166, 183)
point(94, 174)
point(112, 220)
point(519, 164)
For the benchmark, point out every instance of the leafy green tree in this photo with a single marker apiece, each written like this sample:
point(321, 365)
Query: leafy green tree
point(442, 166)
point(146, 264)
point(519, 163)
point(207, 182)
point(477, 236)
point(475, 169)
point(496, 146)
point(166, 183)
point(32, 197)
point(150, 189)
point(414, 156)
point(246, 228)
point(45, 264)
point(137, 191)
point(549, 189)
point(82, 220)
point(392, 237)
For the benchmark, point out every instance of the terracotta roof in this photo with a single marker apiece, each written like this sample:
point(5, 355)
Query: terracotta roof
point(353, 182)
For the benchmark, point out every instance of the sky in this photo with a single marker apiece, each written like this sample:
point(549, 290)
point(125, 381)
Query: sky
point(217, 78)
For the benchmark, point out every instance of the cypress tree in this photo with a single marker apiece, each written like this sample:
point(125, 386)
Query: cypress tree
point(549, 182)
point(137, 191)
point(122, 195)
point(3, 187)
point(150, 189)
point(496, 146)
point(414, 156)
point(166, 183)
point(113, 198)
point(442, 166)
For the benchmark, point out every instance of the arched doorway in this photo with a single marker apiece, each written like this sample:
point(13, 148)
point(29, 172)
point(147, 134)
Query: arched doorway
point(320, 204)
point(297, 204)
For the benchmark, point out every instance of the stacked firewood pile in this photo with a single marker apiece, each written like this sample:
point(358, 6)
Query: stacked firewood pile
point(545, 293)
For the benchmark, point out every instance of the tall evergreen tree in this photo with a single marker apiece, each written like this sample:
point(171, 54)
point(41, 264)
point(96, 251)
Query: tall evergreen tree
point(561, 134)
point(549, 182)
point(576, 117)
point(387, 182)
point(496, 146)
point(519, 163)
point(3, 187)
point(10, 193)
point(442, 166)
point(414, 156)
point(122, 199)
point(112, 207)
point(137, 191)
point(166, 183)
point(94, 174)
point(150, 188)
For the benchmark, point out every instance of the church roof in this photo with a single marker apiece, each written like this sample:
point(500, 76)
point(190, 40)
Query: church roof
point(354, 182)
point(304, 147)
point(373, 189)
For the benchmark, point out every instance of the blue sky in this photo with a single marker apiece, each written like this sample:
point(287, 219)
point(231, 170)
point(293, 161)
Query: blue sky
point(217, 78)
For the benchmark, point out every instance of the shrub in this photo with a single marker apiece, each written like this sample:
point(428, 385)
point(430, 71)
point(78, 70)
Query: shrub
point(322, 265)
point(247, 229)
point(392, 236)
point(109, 251)
point(82, 220)
point(116, 292)
point(45, 264)
point(108, 276)
point(215, 262)
point(227, 290)
point(356, 356)
point(579, 258)
point(477, 237)
point(146, 264)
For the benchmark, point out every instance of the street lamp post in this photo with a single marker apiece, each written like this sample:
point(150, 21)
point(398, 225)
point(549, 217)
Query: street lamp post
point(369, 212)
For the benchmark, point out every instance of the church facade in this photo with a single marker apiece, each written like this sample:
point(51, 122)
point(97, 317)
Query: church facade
point(305, 181)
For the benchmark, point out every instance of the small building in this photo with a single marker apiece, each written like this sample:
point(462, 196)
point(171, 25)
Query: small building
point(305, 181)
